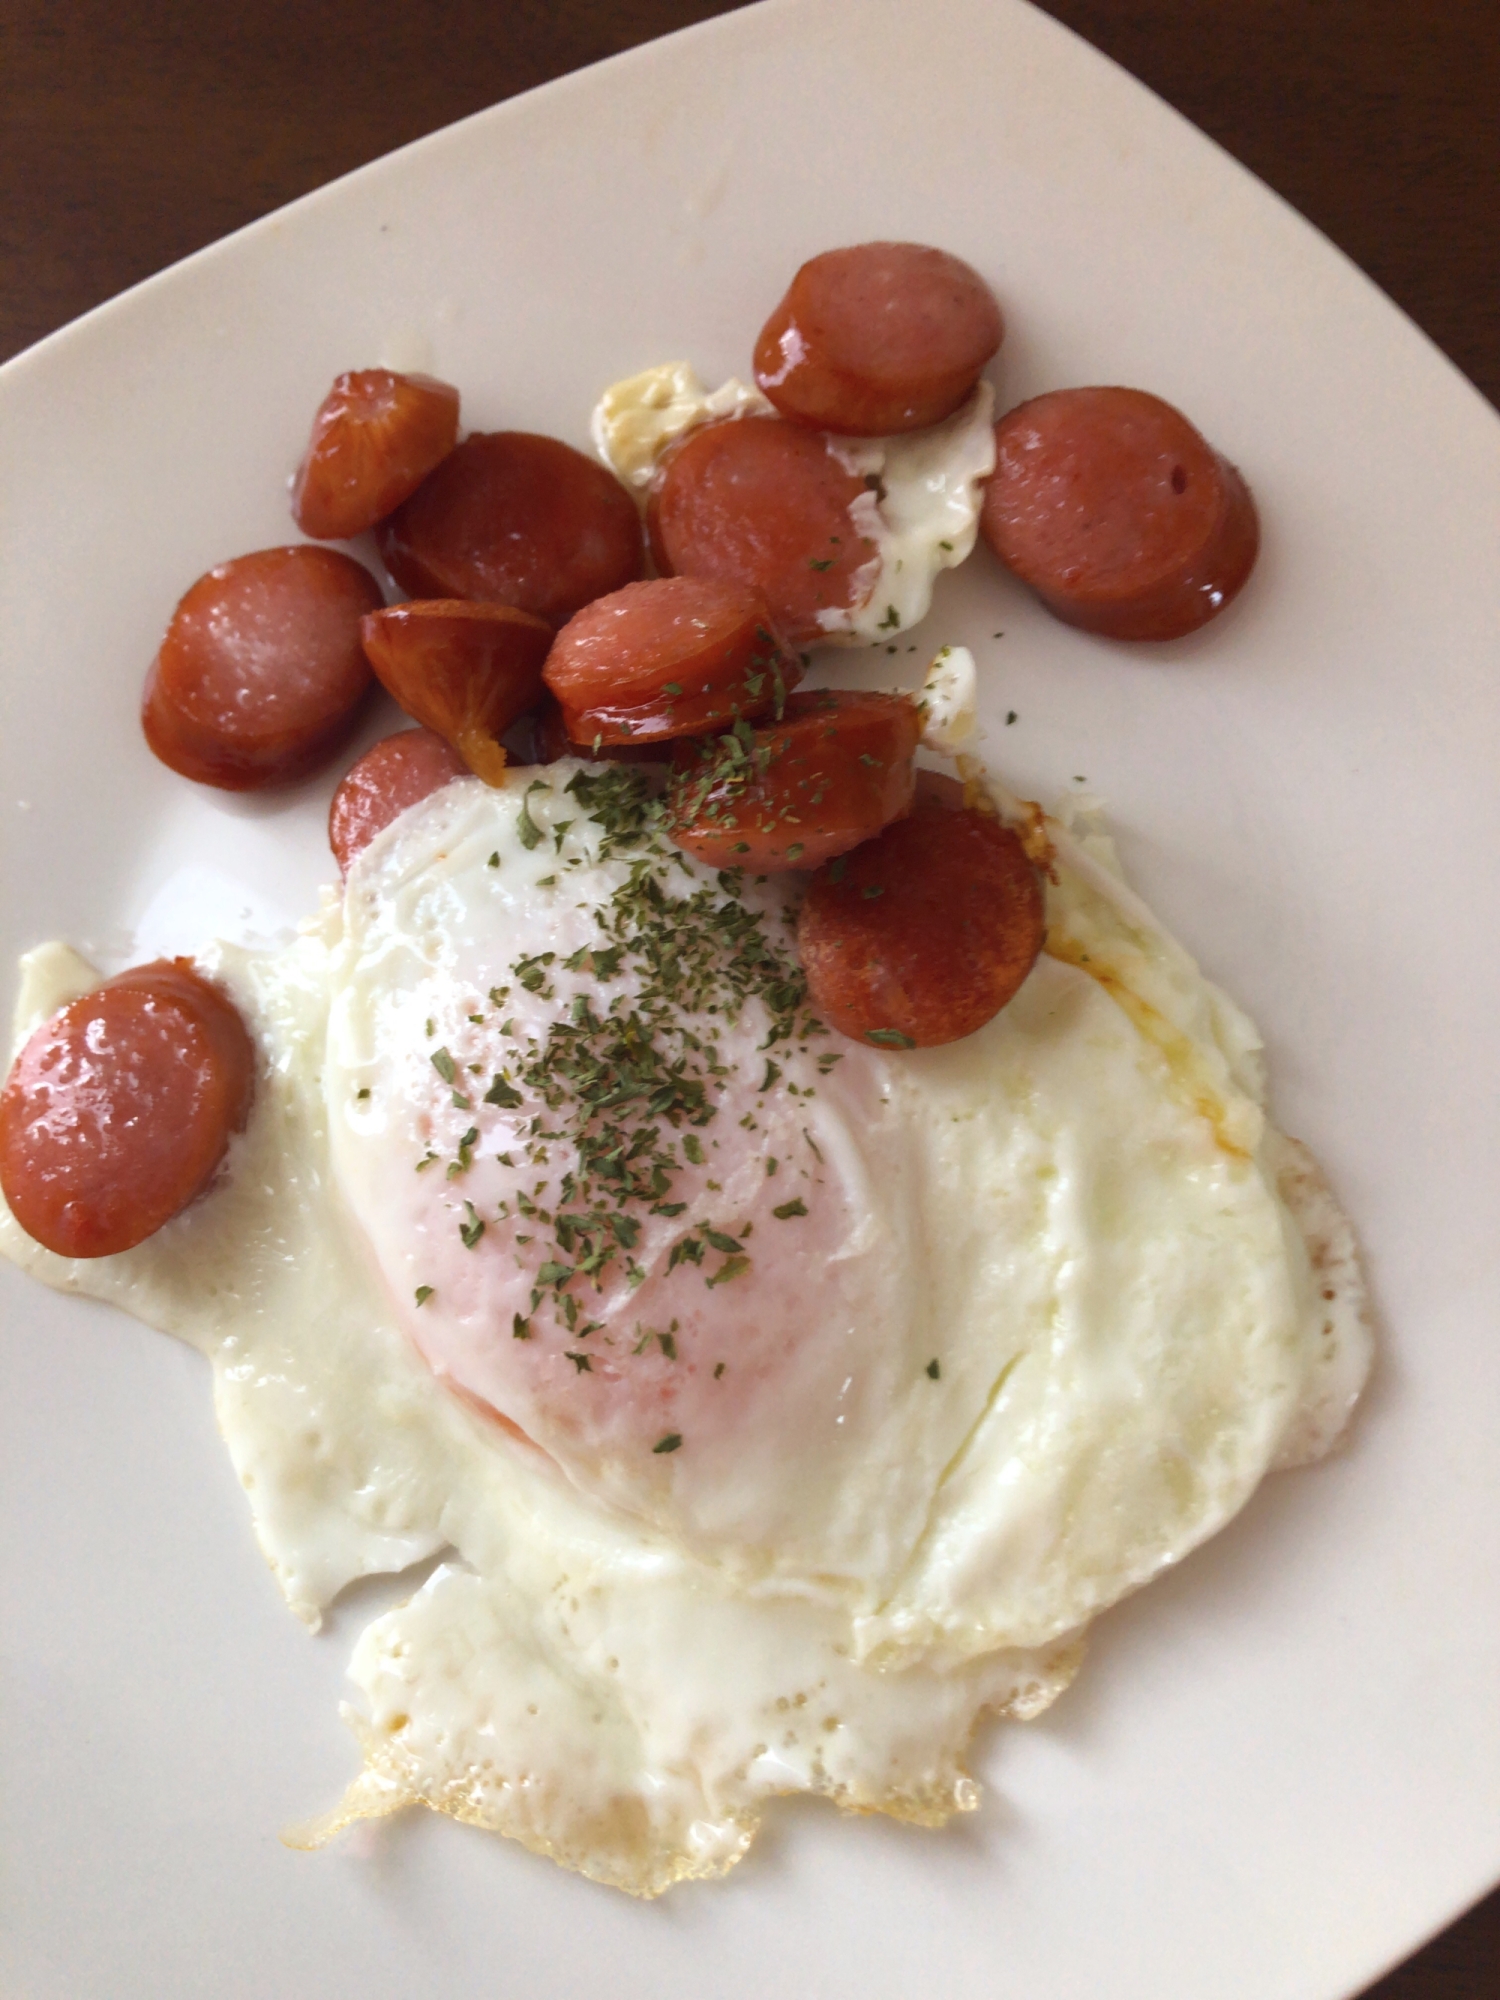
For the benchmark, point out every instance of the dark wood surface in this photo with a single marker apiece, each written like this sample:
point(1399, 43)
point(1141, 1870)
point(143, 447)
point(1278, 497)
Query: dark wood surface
point(135, 131)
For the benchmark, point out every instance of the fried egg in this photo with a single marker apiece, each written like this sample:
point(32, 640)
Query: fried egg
point(775, 1404)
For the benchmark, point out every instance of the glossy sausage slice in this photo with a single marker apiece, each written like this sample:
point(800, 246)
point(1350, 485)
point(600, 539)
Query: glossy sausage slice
point(466, 670)
point(397, 772)
point(678, 656)
point(760, 502)
point(1121, 518)
point(831, 774)
point(511, 518)
point(375, 438)
point(118, 1110)
point(878, 338)
point(261, 671)
point(922, 934)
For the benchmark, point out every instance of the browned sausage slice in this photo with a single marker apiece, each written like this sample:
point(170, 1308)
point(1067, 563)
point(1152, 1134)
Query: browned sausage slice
point(922, 934)
point(375, 438)
point(1121, 518)
point(760, 502)
point(878, 338)
point(678, 656)
point(397, 772)
point(118, 1110)
point(466, 670)
point(834, 771)
point(512, 518)
point(261, 671)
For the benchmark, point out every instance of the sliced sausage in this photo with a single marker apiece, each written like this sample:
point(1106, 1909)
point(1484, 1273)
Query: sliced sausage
point(922, 934)
point(760, 502)
point(118, 1110)
point(397, 772)
point(834, 771)
point(466, 670)
point(678, 656)
point(375, 438)
point(261, 672)
point(878, 338)
point(1118, 514)
point(510, 518)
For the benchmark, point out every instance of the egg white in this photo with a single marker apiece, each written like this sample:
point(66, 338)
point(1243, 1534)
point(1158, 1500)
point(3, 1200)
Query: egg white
point(1075, 1297)
point(948, 702)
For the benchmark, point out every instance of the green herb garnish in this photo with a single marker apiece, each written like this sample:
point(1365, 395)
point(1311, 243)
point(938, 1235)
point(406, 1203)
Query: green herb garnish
point(526, 826)
point(731, 1268)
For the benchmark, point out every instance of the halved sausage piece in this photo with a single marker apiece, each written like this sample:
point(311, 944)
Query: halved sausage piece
point(760, 502)
point(397, 772)
point(117, 1112)
point(1119, 515)
point(831, 773)
point(375, 438)
point(512, 518)
point(678, 656)
point(921, 935)
point(878, 338)
point(261, 672)
point(466, 670)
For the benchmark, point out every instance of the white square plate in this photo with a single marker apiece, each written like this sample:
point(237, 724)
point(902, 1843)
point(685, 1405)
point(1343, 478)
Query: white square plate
point(1279, 1769)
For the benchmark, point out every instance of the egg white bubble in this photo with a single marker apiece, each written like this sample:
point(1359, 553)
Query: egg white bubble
point(1060, 1297)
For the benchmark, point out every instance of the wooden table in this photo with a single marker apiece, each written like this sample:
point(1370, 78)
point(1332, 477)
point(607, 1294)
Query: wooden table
point(134, 133)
